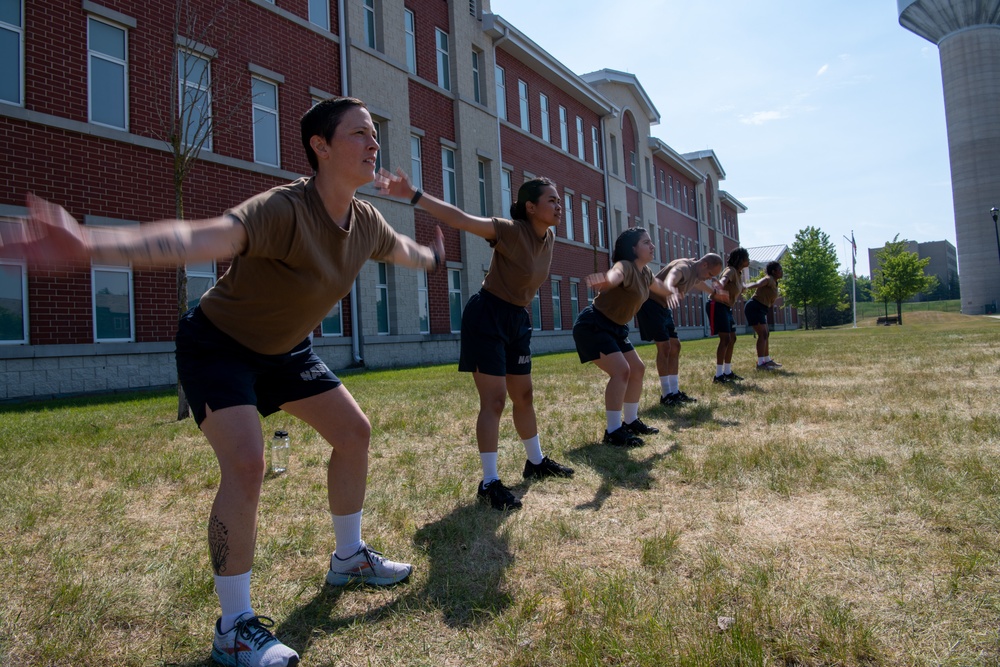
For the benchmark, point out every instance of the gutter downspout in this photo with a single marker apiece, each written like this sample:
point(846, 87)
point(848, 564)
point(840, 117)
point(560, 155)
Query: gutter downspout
point(496, 43)
point(345, 90)
point(607, 197)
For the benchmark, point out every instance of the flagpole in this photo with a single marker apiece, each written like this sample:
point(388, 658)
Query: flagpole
point(854, 279)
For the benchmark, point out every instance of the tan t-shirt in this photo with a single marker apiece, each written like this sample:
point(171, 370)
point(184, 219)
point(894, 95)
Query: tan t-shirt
point(622, 302)
point(520, 262)
point(688, 277)
point(297, 264)
point(767, 292)
point(733, 284)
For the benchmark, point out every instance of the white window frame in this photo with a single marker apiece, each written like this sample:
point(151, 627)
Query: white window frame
point(336, 315)
point(595, 145)
point(423, 304)
point(585, 217)
point(543, 104)
point(568, 214)
point(556, 306)
point(416, 162)
point(448, 180)
point(601, 229)
point(261, 110)
point(574, 299)
point(319, 13)
point(17, 30)
point(203, 270)
point(581, 147)
point(484, 189)
point(536, 311)
point(506, 194)
point(477, 80)
point(123, 63)
point(201, 90)
point(409, 28)
point(633, 161)
point(455, 300)
point(649, 170)
point(377, 122)
point(370, 23)
point(501, 89)
point(126, 270)
point(22, 268)
point(441, 45)
point(382, 298)
point(563, 129)
point(614, 155)
point(522, 97)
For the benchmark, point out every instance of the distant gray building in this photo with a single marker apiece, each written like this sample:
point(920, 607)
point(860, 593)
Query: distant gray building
point(943, 264)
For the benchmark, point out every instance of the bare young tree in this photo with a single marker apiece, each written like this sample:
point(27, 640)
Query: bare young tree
point(198, 111)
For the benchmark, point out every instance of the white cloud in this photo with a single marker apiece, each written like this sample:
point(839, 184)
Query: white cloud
point(761, 117)
point(822, 70)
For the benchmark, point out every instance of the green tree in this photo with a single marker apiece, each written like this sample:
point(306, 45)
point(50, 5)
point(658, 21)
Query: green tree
point(811, 277)
point(900, 274)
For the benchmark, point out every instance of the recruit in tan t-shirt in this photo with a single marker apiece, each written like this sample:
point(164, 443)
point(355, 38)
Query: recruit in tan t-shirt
point(520, 262)
point(622, 302)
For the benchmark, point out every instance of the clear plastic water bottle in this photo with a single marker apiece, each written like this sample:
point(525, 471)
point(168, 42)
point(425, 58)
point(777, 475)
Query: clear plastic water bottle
point(280, 449)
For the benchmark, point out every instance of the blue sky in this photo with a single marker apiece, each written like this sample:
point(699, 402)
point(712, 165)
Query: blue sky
point(821, 113)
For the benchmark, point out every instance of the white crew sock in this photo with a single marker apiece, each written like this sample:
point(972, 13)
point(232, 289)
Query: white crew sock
point(630, 412)
point(761, 360)
point(489, 463)
point(347, 532)
point(675, 383)
point(718, 370)
point(665, 385)
point(614, 418)
point(727, 368)
point(234, 598)
point(533, 449)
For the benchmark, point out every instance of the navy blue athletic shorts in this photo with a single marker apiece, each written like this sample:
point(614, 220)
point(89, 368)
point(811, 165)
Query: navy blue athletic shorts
point(756, 313)
point(496, 337)
point(720, 317)
point(218, 372)
point(595, 334)
point(656, 322)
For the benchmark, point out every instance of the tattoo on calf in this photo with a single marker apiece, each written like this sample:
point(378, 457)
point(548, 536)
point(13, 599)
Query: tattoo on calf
point(218, 544)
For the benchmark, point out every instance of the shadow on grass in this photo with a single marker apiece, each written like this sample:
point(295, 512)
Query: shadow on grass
point(468, 553)
point(617, 468)
point(688, 416)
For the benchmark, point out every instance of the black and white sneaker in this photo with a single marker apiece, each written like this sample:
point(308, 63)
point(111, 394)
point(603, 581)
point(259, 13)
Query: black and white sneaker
point(638, 427)
point(721, 379)
point(547, 468)
point(733, 377)
point(670, 400)
point(684, 398)
point(498, 496)
point(622, 437)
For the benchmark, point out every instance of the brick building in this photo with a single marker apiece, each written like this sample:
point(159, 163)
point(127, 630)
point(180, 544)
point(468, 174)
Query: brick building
point(463, 101)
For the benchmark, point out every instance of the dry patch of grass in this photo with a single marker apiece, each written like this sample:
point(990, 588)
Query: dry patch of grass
point(841, 511)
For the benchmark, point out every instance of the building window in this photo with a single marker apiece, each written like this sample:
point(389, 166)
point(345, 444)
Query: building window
point(666, 247)
point(455, 299)
point(574, 300)
point(108, 77)
point(568, 214)
point(663, 186)
point(200, 278)
point(195, 99)
point(600, 228)
point(12, 53)
point(595, 146)
point(382, 298)
point(563, 129)
point(684, 199)
point(443, 59)
point(416, 163)
point(556, 306)
point(410, 30)
point(448, 175)
point(112, 299)
point(522, 96)
point(371, 34)
point(614, 155)
point(581, 147)
point(423, 304)
point(378, 140)
point(649, 171)
point(477, 82)
point(13, 302)
point(484, 192)
point(501, 94)
point(506, 197)
point(536, 312)
point(633, 177)
point(585, 217)
point(333, 323)
point(319, 13)
point(265, 122)
point(543, 104)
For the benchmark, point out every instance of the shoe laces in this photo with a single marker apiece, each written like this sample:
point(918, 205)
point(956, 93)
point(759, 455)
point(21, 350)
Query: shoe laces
point(255, 630)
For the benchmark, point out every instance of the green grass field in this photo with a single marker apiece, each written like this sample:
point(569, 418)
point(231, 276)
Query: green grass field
point(842, 511)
